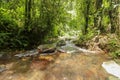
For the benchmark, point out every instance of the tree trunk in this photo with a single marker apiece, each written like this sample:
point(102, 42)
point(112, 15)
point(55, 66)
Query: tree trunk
point(86, 15)
point(114, 16)
point(98, 14)
point(27, 13)
point(118, 17)
point(111, 15)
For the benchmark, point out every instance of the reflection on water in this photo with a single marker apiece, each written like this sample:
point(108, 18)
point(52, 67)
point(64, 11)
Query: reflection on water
point(60, 66)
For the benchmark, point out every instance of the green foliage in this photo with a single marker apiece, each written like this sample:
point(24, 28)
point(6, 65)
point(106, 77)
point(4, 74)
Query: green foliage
point(73, 24)
point(9, 32)
point(3, 37)
point(49, 18)
point(12, 41)
point(113, 44)
point(44, 22)
point(113, 47)
point(116, 54)
point(84, 38)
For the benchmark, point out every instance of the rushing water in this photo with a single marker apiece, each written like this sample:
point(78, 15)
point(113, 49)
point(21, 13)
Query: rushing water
point(59, 66)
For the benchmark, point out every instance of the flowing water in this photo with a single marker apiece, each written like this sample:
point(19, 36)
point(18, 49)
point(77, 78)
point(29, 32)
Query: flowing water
point(60, 66)
point(72, 64)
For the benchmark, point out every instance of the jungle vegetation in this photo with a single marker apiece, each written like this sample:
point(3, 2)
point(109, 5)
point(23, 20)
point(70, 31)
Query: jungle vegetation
point(24, 24)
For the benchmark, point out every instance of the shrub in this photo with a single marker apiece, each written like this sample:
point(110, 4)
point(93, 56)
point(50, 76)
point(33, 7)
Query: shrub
point(9, 32)
point(114, 47)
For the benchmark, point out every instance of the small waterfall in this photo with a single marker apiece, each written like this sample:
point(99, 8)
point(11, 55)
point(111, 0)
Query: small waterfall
point(70, 47)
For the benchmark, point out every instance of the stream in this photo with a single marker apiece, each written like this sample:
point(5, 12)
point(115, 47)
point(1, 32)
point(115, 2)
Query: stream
point(72, 63)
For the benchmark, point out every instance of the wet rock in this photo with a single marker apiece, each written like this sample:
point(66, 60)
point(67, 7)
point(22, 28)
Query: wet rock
point(61, 43)
point(19, 55)
point(31, 53)
point(47, 48)
point(60, 50)
point(50, 50)
point(28, 53)
point(2, 68)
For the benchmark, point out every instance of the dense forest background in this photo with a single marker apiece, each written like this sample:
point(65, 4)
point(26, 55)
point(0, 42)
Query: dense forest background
point(24, 24)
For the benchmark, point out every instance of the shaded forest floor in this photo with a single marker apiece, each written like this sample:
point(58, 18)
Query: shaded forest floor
point(60, 66)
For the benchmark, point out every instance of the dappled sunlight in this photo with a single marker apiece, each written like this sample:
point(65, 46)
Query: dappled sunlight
point(61, 67)
point(59, 39)
point(66, 62)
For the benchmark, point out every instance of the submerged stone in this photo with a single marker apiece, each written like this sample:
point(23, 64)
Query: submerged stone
point(2, 68)
point(27, 53)
point(113, 78)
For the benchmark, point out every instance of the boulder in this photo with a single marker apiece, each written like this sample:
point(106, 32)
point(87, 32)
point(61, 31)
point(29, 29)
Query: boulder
point(61, 43)
point(47, 48)
point(30, 53)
